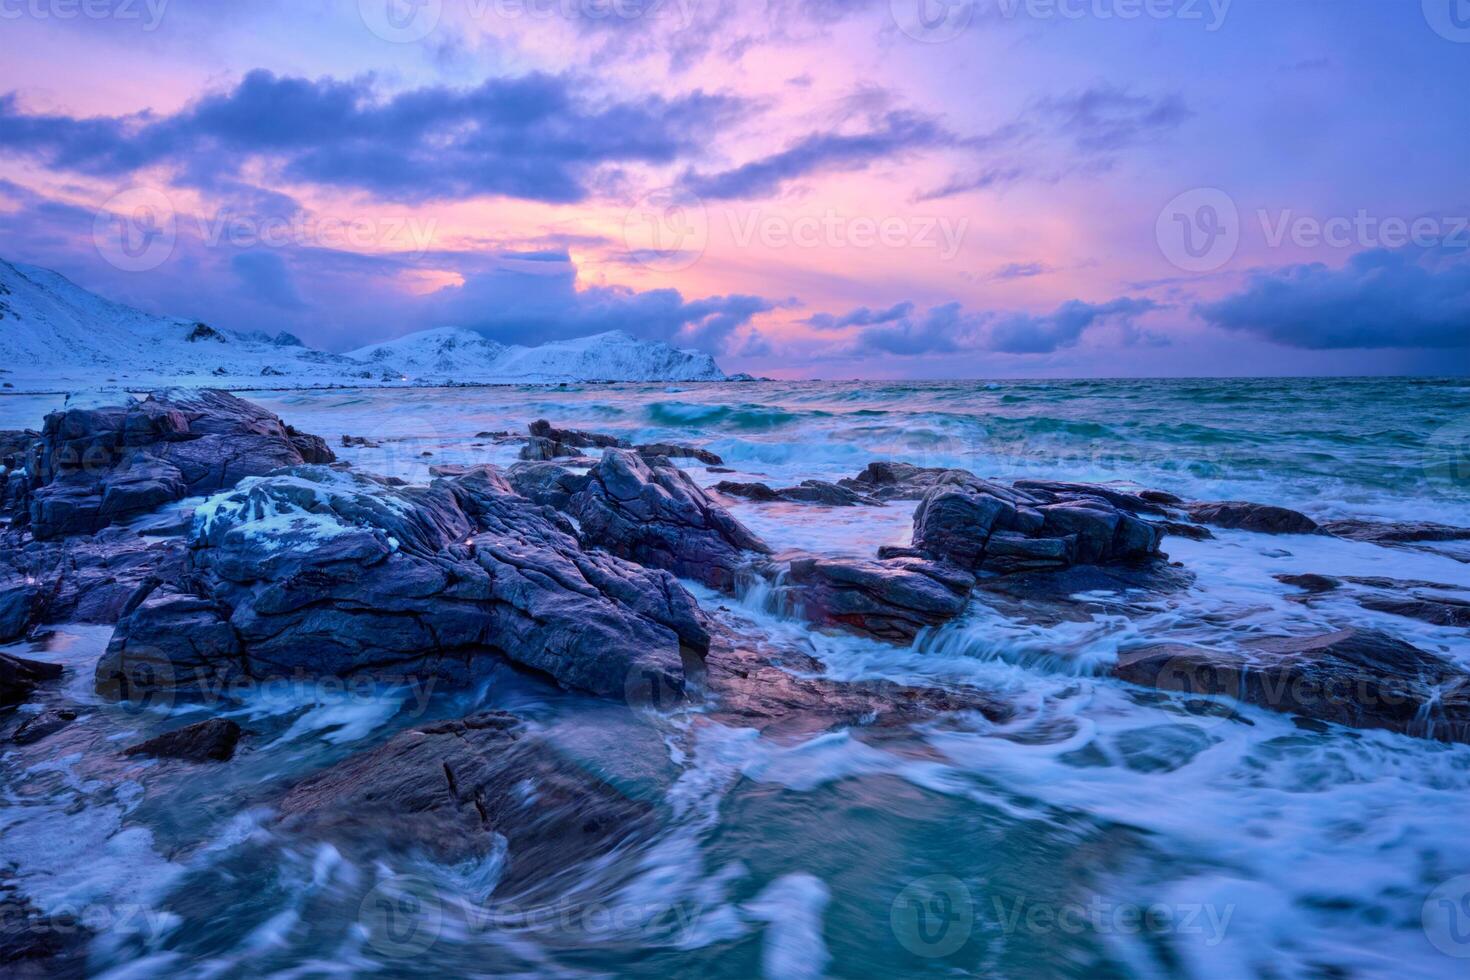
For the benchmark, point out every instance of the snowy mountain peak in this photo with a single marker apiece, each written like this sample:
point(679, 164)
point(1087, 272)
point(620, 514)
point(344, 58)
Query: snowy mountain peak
point(55, 335)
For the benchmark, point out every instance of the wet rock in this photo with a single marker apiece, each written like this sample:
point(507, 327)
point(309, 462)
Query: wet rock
point(87, 580)
point(1260, 518)
point(672, 451)
point(1052, 491)
point(809, 492)
point(980, 525)
point(318, 572)
point(548, 484)
point(1315, 584)
point(548, 442)
point(1179, 529)
point(100, 466)
point(35, 945)
point(899, 481)
point(1408, 532)
point(313, 449)
point(19, 678)
point(657, 516)
point(359, 442)
point(778, 691)
point(43, 725)
point(892, 600)
point(207, 741)
point(1357, 678)
point(454, 790)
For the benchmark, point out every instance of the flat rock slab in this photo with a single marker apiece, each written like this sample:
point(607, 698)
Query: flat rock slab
point(453, 790)
point(1240, 515)
point(1357, 678)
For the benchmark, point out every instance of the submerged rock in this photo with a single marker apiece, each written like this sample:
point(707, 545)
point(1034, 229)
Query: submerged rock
point(547, 442)
point(317, 572)
point(20, 677)
point(1406, 532)
point(809, 492)
point(886, 481)
point(1357, 678)
point(453, 791)
point(1261, 518)
point(207, 741)
point(670, 450)
point(97, 466)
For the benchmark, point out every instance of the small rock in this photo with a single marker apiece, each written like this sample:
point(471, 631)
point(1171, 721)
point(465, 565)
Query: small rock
point(207, 741)
point(1260, 518)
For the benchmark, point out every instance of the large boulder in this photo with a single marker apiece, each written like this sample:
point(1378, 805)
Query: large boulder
point(460, 790)
point(656, 515)
point(106, 461)
point(1240, 515)
point(213, 740)
point(980, 525)
point(318, 572)
point(1358, 678)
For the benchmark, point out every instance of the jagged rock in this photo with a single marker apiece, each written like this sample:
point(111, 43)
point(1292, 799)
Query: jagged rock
point(1358, 678)
point(892, 600)
point(100, 466)
point(19, 678)
point(453, 791)
point(313, 449)
point(87, 580)
point(1244, 516)
point(980, 525)
point(810, 492)
point(359, 442)
point(548, 484)
point(548, 443)
point(207, 741)
point(1407, 532)
point(319, 572)
point(899, 481)
point(19, 597)
point(657, 516)
point(15, 446)
point(672, 451)
point(1052, 491)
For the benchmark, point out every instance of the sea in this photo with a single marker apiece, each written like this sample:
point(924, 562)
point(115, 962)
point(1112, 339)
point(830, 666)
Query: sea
point(1103, 831)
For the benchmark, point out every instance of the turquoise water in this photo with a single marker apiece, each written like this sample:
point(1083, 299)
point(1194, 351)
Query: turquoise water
point(1105, 831)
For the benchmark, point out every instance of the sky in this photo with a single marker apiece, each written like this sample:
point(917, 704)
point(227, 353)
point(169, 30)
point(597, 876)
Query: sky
point(805, 188)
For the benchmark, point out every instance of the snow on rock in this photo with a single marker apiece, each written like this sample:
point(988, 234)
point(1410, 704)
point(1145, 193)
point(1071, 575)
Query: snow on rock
point(57, 336)
point(451, 354)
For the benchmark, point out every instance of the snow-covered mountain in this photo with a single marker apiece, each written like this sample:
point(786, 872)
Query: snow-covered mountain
point(55, 335)
point(463, 355)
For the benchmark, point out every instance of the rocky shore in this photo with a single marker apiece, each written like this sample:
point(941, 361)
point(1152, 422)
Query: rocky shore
point(223, 545)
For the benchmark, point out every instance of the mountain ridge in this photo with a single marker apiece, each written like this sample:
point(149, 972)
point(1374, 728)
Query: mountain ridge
point(56, 335)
